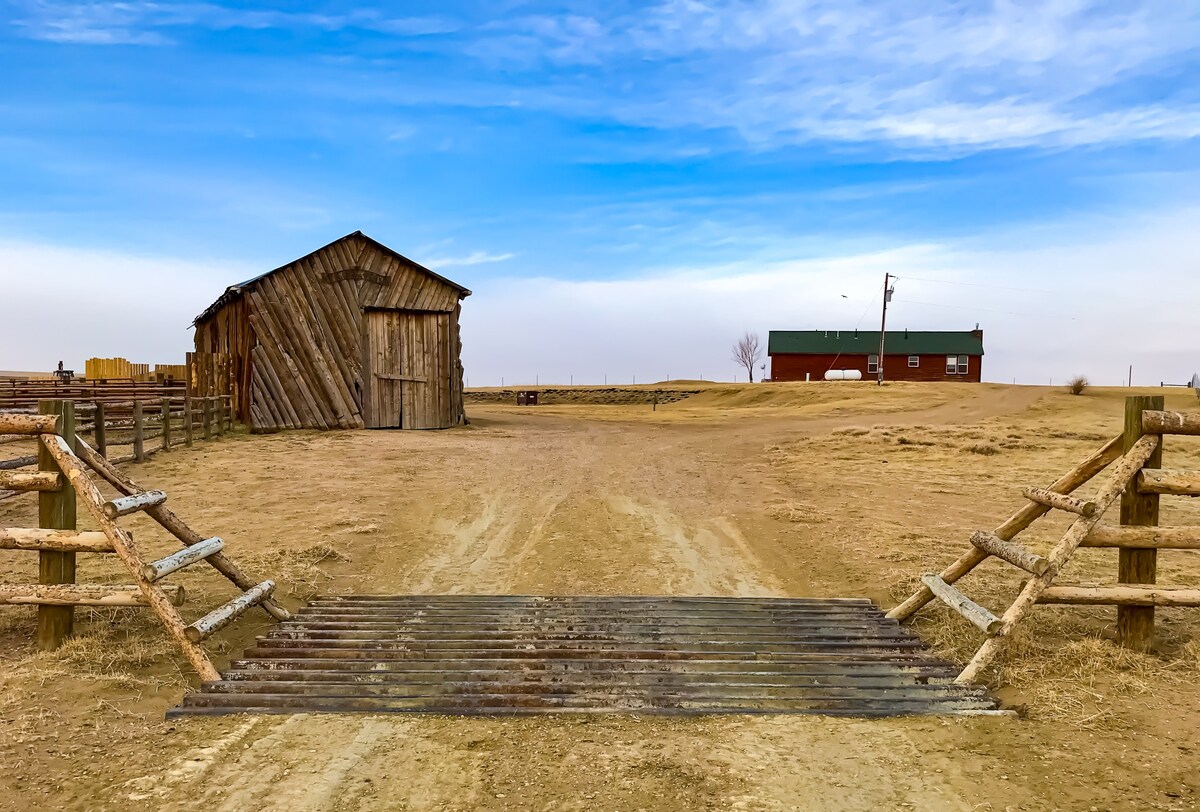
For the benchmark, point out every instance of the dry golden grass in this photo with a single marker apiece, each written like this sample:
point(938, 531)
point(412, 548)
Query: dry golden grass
point(298, 573)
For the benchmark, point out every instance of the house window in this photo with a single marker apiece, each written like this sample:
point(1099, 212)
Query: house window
point(872, 364)
point(951, 364)
point(962, 365)
point(914, 360)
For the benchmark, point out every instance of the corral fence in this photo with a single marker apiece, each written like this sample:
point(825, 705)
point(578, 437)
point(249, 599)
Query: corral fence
point(70, 472)
point(130, 430)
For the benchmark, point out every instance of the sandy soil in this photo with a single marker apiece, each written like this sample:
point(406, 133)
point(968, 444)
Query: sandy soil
point(770, 490)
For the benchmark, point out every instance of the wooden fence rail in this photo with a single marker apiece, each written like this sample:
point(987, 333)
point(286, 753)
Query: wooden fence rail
point(69, 473)
point(1136, 481)
point(120, 431)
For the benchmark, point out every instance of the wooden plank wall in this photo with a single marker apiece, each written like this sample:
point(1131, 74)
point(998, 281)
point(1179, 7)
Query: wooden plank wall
point(100, 369)
point(227, 333)
point(299, 336)
point(171, 372)
point(210, 374)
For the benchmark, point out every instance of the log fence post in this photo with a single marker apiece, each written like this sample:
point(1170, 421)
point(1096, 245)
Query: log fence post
point(101, 435)
point(188, 417)
point(1135, 624)
point(139, 432)
point(56, 511)
point(166, 424)
point(208, 419)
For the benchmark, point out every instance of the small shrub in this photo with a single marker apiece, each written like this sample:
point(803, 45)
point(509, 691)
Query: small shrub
point(983, 449)
point(907, 441)
point(1077, 385)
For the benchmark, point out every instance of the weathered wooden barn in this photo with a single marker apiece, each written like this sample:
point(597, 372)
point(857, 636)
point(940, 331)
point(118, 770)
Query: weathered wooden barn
point(352, 335)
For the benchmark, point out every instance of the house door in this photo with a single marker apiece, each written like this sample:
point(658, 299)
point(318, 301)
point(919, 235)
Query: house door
point(408, 353)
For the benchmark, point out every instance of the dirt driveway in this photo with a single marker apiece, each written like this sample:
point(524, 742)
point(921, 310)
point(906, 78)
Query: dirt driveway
point(545, 502)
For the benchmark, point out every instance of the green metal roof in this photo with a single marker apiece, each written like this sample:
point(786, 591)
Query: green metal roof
point(860, 342)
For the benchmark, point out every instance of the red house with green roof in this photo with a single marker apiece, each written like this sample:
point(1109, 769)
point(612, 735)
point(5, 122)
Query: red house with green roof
point(909, 355)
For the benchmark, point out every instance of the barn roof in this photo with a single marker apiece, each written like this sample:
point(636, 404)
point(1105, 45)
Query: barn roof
point(866, 342)
point(234, 291)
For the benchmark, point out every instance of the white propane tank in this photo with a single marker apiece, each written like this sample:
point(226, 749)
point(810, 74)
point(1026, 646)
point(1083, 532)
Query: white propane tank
point(843, 375)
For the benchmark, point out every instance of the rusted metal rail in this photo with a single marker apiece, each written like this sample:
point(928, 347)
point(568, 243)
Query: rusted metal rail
point(524, 655)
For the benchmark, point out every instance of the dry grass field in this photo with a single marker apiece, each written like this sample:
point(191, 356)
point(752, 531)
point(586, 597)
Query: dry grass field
point(777, 489)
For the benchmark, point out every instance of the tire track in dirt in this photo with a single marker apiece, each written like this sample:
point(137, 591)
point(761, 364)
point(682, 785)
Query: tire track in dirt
point(709, 558)
point(487, 550)
point(314, 763)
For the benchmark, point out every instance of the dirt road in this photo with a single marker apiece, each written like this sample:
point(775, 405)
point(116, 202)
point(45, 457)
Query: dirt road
point(556, 502)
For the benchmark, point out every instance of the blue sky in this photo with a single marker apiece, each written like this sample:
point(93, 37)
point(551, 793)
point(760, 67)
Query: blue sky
point(640, 181)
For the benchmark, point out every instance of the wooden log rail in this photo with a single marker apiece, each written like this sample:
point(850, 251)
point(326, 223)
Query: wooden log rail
point(1164, 481)
point(222, 616)
point(1119, 479)
point(173, 524)
point(83, 595)
point(30, 481)
point(16, 423)
point(26, 394)
point(1027, 515)
point(124, 505)
point(40, 538)
point(172, 420)
point(1156, 421)
point(18, 462)
point(969, 609)
point(74, 469)
point(1123, 595)
point(1011, 552)
point(1149, 538)
point(1058, 501)
point(184, 558)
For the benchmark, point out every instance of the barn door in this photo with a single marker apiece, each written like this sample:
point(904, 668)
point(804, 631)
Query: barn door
point(384, 404)
point(408, 353)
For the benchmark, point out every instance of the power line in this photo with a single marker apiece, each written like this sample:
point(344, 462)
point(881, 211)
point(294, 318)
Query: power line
point(858, 323)
point(977, 285)
point(986, 310)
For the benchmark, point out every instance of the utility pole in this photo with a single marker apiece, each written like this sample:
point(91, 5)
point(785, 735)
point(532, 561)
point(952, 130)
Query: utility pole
point(888, 287)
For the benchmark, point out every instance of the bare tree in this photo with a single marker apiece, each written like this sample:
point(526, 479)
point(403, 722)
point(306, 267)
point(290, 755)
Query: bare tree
point(747, 352)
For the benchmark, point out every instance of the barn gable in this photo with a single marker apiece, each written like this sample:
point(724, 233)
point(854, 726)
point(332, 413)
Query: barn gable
point(302, 356)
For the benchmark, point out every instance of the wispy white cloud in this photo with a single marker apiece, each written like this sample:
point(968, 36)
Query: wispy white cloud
point(147, 23)
point(911, 74)
point(474, 258)
point(905, 74)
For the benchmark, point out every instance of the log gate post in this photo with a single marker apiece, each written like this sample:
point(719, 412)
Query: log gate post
point(208, 418)
point(101, 435)
point(1135, 624)
point(56, 511)
point(139, 432)
point(187, 419)
point(166, 424)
